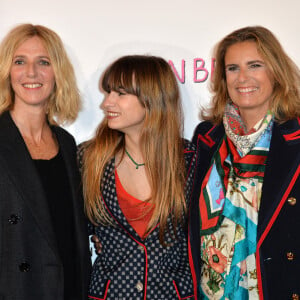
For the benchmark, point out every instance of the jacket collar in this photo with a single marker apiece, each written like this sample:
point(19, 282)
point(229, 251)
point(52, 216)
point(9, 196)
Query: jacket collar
point(282, 163)
point(207, 143)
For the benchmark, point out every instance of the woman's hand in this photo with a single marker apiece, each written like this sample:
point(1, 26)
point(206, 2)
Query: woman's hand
point(97, 244)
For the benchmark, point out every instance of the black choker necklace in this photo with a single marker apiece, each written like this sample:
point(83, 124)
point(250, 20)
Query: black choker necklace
point(136, 164)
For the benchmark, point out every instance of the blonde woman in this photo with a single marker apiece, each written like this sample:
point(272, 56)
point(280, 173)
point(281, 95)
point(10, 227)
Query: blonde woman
point(245, 216)
point(137, 175)
point(44, 246)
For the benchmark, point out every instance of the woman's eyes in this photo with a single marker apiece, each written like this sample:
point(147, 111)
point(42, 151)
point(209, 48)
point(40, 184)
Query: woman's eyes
point(235, 68)
point(254, 66)
point(121, 92)
point(42, 62)
point(19, 62)
point(232, 68)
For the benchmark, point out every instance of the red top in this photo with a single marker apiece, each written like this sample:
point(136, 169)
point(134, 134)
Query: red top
point(137, 212)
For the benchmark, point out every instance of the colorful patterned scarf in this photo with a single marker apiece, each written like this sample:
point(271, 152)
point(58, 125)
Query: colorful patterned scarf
point(229, 204)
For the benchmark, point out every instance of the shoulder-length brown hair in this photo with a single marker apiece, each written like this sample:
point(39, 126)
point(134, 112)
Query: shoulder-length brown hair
point(286, 99)
point(151, 79)
point(64, 102)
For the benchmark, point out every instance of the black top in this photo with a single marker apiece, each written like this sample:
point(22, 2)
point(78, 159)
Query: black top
point(55, 181)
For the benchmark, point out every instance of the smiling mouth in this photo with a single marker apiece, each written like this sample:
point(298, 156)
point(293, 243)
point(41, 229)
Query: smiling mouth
point(247, 90)
point(32, 85)
point(112, 114)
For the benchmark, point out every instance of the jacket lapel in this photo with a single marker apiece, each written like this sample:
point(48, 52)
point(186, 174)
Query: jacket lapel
point(68, 150)
point(207, 144)
point(67, 147)
point(282, 162)
point(109, 195)
point(21, 171)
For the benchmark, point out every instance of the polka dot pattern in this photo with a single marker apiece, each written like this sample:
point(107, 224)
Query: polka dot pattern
point(129, 267)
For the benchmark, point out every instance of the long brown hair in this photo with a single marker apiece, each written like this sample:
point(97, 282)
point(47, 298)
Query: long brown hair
point(151, 79)
point(286, 98)
point(64, 102)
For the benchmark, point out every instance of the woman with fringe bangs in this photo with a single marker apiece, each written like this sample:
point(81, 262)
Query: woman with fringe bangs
point(137, 179)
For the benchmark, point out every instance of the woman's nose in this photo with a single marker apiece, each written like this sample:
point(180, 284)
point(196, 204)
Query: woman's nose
point(31, 70)
point(242, 75)
point(109, 100)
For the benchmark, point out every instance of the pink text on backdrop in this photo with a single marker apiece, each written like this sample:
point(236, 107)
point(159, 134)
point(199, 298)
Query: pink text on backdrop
point(201, 73)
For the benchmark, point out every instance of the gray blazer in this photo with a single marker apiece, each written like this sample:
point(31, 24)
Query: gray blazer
point(30, 267)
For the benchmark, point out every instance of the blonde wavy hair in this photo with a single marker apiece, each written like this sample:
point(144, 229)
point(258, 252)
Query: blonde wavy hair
point(286, 98)
point(151, 79)
point(64, 102)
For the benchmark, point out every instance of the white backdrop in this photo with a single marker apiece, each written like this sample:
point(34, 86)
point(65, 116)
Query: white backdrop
point(96, 32)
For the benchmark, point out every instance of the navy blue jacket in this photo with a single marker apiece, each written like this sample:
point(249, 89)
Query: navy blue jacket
point(278, 236)
point(129, 267)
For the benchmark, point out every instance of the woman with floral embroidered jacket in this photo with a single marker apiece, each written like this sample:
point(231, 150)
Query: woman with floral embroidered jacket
point(245, 221)
point(137, 176)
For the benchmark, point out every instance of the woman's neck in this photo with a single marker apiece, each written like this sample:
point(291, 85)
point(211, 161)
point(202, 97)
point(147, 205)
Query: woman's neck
point(32, 125)
point(37, 135)
point(250, 119)
point(132, 145)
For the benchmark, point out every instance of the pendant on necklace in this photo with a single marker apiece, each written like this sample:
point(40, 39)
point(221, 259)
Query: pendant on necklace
point(136, 164)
